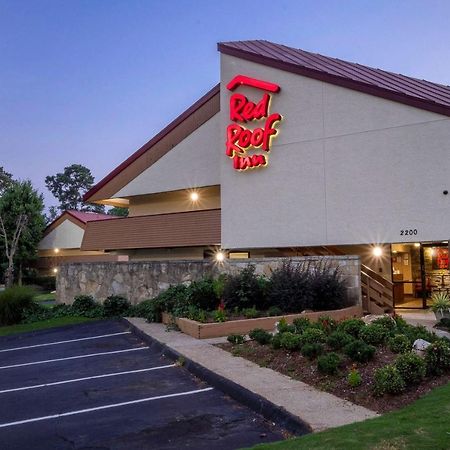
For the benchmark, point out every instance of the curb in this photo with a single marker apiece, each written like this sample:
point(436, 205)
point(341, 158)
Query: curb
point(257, 403)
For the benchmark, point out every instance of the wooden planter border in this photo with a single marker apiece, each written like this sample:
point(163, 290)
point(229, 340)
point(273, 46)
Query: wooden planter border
point(200, 330)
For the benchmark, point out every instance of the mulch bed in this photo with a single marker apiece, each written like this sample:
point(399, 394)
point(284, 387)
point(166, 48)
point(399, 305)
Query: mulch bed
point(296, 366)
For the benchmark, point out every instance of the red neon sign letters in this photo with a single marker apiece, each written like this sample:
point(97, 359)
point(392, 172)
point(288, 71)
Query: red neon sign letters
point(240, 139)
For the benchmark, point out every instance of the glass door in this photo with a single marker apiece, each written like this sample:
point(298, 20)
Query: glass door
point(435, 260)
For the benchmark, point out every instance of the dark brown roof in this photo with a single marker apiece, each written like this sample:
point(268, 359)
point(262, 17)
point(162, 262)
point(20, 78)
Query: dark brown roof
point(191, 115)
point(184, 229)
point(411, 91)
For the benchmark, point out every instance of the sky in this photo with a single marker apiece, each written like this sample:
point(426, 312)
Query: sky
point(90, 81)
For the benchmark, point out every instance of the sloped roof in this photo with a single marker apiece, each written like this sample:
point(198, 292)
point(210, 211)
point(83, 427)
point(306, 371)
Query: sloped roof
point(86, 216)
point(411, 91)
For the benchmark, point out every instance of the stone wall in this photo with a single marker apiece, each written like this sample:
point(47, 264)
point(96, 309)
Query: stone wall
point(139, 281)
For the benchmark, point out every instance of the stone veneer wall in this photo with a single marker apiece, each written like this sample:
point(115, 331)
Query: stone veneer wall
point(139, 281)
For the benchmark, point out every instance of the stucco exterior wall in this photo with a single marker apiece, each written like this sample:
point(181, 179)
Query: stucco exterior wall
point(66, 236)
point(141, 281)
point(345, 168)
point(194, 162)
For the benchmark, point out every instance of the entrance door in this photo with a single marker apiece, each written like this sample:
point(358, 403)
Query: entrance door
point(437, 275)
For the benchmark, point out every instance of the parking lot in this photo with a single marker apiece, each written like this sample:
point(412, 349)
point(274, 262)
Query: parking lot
point(99, 386)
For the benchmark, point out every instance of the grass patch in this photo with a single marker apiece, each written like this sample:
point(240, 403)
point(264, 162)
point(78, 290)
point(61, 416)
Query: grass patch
point(422, 425)
point(46, 297)
point(43, 324)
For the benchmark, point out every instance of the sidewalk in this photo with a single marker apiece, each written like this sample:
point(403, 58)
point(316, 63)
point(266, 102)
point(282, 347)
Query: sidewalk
point(318, 409)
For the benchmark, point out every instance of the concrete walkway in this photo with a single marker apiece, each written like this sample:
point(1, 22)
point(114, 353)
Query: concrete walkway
point(318, 409)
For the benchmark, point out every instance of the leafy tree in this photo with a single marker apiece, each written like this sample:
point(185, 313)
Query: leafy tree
point(70, 186)
point(5, 180)
point(21, 224)
point(117, 211)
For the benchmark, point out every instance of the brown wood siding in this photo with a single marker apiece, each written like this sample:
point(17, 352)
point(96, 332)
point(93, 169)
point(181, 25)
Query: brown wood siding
point(185, 229)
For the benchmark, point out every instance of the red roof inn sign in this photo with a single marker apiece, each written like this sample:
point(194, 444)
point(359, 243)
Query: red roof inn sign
point(241, 139)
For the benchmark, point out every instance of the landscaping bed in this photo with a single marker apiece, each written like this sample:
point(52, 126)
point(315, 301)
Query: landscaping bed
point(364, 387)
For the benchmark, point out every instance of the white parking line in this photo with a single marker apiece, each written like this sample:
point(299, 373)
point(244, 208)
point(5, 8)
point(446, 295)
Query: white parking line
point(99, 408)
point(73, 357)
point(75, 380)
point(65, 342)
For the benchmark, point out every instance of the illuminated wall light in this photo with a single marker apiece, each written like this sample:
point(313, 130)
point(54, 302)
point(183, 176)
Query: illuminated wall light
point(56, 250)
point(417, 244)
point(194, 196)
point(55, 270)
point(377, 251)
point(220, 256)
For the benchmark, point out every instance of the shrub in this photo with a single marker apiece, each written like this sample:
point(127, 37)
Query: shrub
point(312, 351)
point(83, 303)
point(202, 295)
point(399, 344)
point(172, 300)
point(327, 324)
point(244, 290)
point(312, 336)
point(13, 302)
point(437, 357)
point(290, 288)
point(359, 351)
point(115, 305)
point(250, 313)
point(418, 332)
point(374, 334)
point(149, 309)
point(386, 322)
point(220, 315)
point(387, 380)
point(444, 322)
point(329, 363)
point(195, 313)
point(339, 339)
point(351, 326)
point(411, 367)
point(354, 378)
point(276, 341)
point(290, 341)
point(301, 324)
point(274, 311)
point(284, 327)
point(328, 288)
point(261, 336)
point(236, 339)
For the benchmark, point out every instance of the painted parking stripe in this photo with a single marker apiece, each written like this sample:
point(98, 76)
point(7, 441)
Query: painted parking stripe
point(64, 342)
point(75, 380)
point(73, 357)
point(99, 408)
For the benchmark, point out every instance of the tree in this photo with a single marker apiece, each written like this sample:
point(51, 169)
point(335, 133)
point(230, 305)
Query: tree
point(5, 180)
point(70, 186)
point(21, 224)
point(118, 211)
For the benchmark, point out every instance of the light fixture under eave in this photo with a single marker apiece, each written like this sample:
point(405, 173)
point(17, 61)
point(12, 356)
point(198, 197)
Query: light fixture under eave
point(194, 196)
point(55, 270)
point(417, 244)
point(220, 256)
point(377, 251)
point(56, 250)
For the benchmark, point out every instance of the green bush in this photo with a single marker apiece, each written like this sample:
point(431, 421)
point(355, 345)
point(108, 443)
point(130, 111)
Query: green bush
point(437, 357)
point(411, 367)
point(236, 339)
point(115, 305)
point(250, 313)
point(202, 294)
point(261, 336)
point(290, 287)
point(276, 341)
point(339, 339)
point(149, 309)
point(387, 322)
point(351, 326)
point(399, 343)
point(274, 311)
point(82, 304)
point(387, 380)
point(220, 315)
point(172, 300)
point(312, 351)
point(354, 378)
point(290, 341)
point(329, 363)
point(359, 351)
point(327, 324)
point(284, 327)
point(301, 324)
point(418, 332)
point(374, 334)
point(13, 302)
point(312, 336)
point(244, 290)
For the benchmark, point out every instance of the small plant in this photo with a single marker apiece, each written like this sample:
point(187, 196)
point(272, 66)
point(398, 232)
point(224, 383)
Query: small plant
point(236, 339)
point(274, 311)
point(115, 305)
point(82, 304)
point(301, 324)
point(313, 335)
point(276, 341)
point(354, 378)
point(387, 380)
point(399, 344)
point(290, 341)
point(220, 315)
point(181, 361)
point(250, 313)
point(437, 357)
point(13, 302)
point(374, 334)
point(327, 324)
point(387, 322)
point(329, 363)
point(411, 367)
point(441, 304)
point(312, 351)
point(351, 326)
point(261, 336)
point(359, 351)
point(339, 339)
point(284, 327)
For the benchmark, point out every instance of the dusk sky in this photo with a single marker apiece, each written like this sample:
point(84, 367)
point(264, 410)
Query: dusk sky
point(90, 81)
